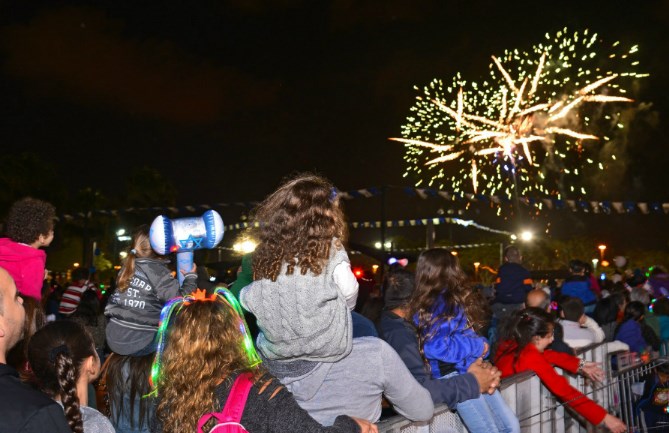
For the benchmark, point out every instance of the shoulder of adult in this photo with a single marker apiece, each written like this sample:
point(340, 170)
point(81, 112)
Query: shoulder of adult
point(48, 417)
point(389, 321)
point(95, 421)
point(400, 383)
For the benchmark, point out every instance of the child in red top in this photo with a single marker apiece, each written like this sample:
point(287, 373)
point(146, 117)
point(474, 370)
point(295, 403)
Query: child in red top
point(523, 347)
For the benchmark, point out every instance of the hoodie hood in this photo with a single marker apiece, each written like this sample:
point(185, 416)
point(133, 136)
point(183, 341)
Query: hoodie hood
point(11, 251)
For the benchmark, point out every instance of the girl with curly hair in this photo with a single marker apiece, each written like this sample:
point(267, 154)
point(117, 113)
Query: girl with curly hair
point(303, 285)
point(64, 362)
point(204, 349)
point(29, 227)
point(523, 346)
point(448, 315)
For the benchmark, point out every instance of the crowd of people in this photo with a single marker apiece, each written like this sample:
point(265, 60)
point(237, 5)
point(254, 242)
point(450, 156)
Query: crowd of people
point(290, 345)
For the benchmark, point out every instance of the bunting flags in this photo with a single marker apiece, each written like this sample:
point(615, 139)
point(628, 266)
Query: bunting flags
point(399, 223)
point(172, 210)
point(550, 204)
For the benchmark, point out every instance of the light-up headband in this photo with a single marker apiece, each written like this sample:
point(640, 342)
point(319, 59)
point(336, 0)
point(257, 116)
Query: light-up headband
point(220, 295)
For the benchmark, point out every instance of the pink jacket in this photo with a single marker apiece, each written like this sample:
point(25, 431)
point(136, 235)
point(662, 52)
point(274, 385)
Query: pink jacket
point(25, 264)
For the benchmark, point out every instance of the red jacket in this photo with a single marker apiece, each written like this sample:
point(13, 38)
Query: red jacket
point(542, 364)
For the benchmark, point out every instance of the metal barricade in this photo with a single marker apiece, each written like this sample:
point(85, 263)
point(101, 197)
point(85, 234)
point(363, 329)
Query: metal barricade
point(627, 386)
point(538, 410)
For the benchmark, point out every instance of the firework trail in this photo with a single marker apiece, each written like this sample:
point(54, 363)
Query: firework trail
point(529, 124)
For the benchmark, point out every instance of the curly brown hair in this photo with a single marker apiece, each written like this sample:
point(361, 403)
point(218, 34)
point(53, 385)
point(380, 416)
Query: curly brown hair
point(28, 218)
point(296, 225)
point(204, 347)
point(439, 275)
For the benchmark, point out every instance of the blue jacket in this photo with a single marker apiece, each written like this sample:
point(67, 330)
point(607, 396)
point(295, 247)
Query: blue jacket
point(513, 283)
point(454, 344)
point(629, 333)
point(579, 288)
point(401, 336)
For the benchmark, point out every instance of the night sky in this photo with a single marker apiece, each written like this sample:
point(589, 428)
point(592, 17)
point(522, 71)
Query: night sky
point(227, 97)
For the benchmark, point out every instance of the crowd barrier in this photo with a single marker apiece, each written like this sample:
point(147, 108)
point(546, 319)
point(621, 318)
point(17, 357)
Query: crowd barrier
point(540, 412)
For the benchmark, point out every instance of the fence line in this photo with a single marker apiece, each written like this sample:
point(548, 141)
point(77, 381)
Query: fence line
point(540, 412)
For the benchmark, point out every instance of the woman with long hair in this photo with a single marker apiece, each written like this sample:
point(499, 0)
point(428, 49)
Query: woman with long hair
point(448, 314)
point(126, 392)
point(203, 350)
point(522, 347)
point(631, 330)
point(64, 362)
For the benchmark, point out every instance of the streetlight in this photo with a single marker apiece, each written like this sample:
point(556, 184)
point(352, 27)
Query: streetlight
point(245, 247)
point(388, 245)
point(601, 248)
point(476, 270)
point(526, 236)
point(120, 237)
point(594, 265)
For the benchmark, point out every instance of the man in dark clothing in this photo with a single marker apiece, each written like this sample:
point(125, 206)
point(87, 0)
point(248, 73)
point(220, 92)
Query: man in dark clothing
point(22, 409)
point(512, 284)
point(395, 328)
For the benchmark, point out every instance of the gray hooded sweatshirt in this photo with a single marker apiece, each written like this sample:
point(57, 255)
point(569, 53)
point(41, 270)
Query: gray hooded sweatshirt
point(355, 384)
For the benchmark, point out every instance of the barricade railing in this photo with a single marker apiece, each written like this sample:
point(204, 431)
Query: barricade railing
point(540, 412)
point(627, 386)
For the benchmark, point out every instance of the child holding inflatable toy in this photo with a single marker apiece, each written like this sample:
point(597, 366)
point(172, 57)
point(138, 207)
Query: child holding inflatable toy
point(143, 286)
point(302, 274)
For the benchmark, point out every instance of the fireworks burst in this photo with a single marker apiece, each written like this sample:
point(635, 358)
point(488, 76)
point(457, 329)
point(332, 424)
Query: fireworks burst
point(526, 129)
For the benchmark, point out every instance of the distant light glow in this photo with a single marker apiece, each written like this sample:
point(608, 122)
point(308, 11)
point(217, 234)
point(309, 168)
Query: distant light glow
point(245, 247)
point(526, 236)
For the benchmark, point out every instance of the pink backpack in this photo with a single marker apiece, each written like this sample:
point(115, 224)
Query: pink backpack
point(228, 419)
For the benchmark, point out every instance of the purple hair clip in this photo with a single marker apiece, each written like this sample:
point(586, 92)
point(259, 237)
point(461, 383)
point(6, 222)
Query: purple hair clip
point(333, 194)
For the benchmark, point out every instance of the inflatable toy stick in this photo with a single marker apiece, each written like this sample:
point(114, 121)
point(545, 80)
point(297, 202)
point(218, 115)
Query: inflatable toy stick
point(185, 235)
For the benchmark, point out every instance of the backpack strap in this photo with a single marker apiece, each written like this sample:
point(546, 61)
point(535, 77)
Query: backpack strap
point(234, 405)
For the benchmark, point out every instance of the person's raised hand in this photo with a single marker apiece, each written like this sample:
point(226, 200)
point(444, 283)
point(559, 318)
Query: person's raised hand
point(366, 426)
point(192, 271)
point(615, 425)
point(593, 371)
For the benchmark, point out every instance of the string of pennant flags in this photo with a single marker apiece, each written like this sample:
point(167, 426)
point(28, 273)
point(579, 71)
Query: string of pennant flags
point(594, 206)
point(397, 223)
point(580, 205)
point(173, 210)
point(450, 247)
